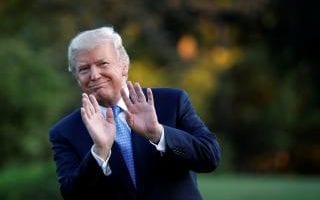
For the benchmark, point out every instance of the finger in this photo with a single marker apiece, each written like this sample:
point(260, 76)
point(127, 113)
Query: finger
point(132, 93)
point(85, 105)
point(94, 102)
point(138, 90)
point(84, 116)
point(150, 96)
point(126, 99)
point(89, 104)
point(109, 116)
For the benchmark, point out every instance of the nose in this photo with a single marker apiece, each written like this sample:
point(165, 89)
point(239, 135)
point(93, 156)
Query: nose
point(95, 73)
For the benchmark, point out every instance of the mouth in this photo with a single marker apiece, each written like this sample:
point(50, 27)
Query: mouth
point(97, 86)
point(94, 87)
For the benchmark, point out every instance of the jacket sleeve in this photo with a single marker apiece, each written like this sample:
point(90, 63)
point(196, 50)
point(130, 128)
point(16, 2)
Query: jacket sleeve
point(77, 177)
point(190, 144)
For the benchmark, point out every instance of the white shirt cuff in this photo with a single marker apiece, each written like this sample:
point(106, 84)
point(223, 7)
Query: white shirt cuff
point(102, 163)
point(161, 146)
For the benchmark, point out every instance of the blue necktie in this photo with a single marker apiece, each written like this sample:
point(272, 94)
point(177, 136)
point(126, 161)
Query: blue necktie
point(123, 139)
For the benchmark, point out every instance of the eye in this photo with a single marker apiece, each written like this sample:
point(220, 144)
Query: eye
point(103, 64)
point(83, 69)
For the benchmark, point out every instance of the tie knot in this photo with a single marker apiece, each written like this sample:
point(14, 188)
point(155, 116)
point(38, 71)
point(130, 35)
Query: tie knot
point(116, 110)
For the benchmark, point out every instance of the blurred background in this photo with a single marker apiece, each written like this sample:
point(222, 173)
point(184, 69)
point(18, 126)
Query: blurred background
point(250, 67)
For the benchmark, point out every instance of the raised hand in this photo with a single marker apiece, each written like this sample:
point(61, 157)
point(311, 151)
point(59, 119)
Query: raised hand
point(101, 130)
point(141, 115)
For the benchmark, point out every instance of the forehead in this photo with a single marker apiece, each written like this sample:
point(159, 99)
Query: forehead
point(104, 51)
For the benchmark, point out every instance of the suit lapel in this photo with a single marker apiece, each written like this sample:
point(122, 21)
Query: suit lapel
point(144, 155)
point(120, 170)
point(79, 136)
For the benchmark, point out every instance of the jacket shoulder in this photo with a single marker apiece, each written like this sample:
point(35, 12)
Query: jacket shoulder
point(169, 91)
point(67, 121)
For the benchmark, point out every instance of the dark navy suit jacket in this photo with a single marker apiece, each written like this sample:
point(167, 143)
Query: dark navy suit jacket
point(190, 148)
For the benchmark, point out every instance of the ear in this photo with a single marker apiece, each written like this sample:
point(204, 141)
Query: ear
point(76, 78)
point(125, 70)
point(78, 82)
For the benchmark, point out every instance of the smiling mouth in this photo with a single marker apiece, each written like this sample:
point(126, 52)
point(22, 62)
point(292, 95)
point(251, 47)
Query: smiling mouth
point(97, 86)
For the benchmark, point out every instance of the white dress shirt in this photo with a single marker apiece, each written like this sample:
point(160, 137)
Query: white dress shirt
point(104, 163)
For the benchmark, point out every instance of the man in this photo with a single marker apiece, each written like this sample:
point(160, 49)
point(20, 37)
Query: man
point(127, 142)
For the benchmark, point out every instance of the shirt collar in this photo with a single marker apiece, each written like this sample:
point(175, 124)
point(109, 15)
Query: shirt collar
point(120, 103)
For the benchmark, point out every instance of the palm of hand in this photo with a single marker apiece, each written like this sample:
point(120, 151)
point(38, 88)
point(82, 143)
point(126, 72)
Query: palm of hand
point(142, 118)
point(141, 115)
point(102, 131)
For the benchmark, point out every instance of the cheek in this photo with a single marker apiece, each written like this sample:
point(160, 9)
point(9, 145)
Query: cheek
point(119, 81)
point(82, 82)
point(117, 77)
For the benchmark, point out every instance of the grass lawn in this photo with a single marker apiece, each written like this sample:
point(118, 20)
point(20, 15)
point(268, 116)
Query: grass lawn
point(237, 187)
point(38, 182)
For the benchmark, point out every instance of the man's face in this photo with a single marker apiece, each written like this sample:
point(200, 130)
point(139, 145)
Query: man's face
point(98, 72)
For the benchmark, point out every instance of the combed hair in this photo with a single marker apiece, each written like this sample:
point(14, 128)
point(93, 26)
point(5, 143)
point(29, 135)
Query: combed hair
point(90, 39)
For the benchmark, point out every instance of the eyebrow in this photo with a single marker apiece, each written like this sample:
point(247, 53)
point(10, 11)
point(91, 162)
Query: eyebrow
point(97, 62)
point(102, 61)
point(84, 65)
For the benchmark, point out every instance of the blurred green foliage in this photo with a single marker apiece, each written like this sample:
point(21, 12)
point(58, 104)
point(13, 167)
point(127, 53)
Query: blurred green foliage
point(31, 94)
point(250, 67)
point(36, 182)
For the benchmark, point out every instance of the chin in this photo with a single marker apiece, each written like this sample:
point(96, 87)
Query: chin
point(106, 99)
